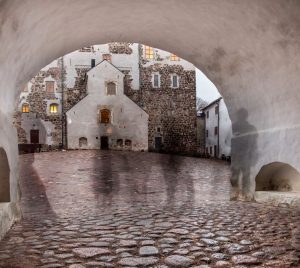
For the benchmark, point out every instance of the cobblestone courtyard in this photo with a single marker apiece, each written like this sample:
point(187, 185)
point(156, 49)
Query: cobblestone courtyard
point(125, 209)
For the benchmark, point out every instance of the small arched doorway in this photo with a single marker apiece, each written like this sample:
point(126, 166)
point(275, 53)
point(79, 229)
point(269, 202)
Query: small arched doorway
point(4, 177)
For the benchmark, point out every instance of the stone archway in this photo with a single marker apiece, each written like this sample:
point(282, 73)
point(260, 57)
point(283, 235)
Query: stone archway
point(249, 50)
point(4, 177)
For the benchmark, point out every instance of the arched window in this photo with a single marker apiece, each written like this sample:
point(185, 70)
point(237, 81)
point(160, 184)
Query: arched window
point(25, 108)
point(105, 116)
point(111, 88)
point(53, 108)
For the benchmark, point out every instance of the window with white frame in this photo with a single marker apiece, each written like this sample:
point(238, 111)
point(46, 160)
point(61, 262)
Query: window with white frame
point(174, 81)
point(156, 80)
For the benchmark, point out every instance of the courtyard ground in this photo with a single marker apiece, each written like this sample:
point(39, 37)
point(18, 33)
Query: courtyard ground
point(125, 209)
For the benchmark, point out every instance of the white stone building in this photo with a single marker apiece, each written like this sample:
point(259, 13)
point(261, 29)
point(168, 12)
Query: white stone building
point(218, 129)
point(106, 118)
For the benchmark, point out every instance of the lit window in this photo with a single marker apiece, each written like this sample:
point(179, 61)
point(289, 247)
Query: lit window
point(174, 80)
point(53, 108)
point(106, 57)
point(111, 88)
point(149, 53)
point(156, 80)
point(173, 57)
point(25, 108)
point(50, 86)
point(105, 116)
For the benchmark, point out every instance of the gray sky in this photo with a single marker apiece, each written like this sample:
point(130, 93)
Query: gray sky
point(206, 90)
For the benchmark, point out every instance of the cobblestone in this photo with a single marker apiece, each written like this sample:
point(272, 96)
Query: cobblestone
point(79, 212)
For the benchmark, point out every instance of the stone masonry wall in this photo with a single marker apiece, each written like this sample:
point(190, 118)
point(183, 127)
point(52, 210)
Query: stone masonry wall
point(172, 111)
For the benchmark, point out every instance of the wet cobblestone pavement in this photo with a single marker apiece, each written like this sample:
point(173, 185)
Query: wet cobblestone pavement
point(124, 209)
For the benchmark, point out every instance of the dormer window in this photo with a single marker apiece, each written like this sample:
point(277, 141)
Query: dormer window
point(111, 88)
point(173, 57)
point(156, 80)
point(174, 81)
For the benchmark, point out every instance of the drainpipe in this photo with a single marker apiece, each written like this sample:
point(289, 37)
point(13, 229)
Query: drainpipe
point(218, 130)
point(140, 81)
point(62, 103)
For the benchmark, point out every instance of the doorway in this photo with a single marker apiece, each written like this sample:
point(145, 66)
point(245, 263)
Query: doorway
point(34, 136)
point(104, 143)
point(158, 143)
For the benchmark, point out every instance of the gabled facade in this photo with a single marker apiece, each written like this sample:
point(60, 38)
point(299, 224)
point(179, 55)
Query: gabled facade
point(106, 118)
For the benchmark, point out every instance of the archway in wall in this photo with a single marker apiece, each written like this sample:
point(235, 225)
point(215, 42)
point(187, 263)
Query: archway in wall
point(278, 183)
point(98, 116)
point(4, 177)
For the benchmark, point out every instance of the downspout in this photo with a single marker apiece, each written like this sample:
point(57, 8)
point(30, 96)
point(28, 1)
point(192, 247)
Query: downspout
point(218, 129)
point(140, 80)
point(62, 103)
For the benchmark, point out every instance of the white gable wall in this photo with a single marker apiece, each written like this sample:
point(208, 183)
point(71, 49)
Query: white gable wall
point(128, 120)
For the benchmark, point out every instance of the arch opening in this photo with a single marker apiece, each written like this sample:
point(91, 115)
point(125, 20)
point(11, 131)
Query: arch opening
point(278, 183)
point(4, 177)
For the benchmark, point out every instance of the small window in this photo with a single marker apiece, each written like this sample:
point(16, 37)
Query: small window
point(111, 88)
point(128, 143)
point(105, 116)
point(83, 142)
point(158, 129)
point(149, 53)
point(216, 130)
point(207, 114)
point(217, 109)
point(173, 57)
point(119, 142)
point(174, 80)
point(53, 108)
point(156, 80)
point(106, 57)
point(25, 108)
point(210, 150)
point(50, 86)
point(207, 133)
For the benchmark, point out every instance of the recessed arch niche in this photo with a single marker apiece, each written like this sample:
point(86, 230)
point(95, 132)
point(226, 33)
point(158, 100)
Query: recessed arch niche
point(4, 177)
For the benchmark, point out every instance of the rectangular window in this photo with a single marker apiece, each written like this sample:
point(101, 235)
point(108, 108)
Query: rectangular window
point(216, 130)
point(156, 80)
point(106, 57)
point(173, 57)
point(149, 53)
point(50, 86)
point(207, 114)
point(207, 133)
point(174, 81)
point(210, 150)
point(217, 110)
